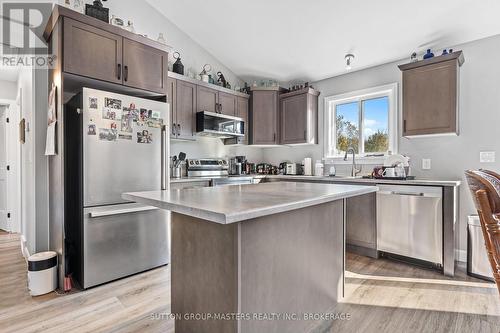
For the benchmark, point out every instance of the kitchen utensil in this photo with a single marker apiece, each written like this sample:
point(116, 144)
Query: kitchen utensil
point(182, 156)
point(174, 160)
point(178, 67)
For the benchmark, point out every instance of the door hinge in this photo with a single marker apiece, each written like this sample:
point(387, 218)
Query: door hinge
point(8, 167)
point(8, 215)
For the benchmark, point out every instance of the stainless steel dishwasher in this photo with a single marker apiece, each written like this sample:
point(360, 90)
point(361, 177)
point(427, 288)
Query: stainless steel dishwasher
point(410, 222)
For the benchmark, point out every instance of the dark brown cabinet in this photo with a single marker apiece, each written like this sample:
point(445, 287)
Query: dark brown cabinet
point(242, 112)
point(264, 117)
point(99, 54)
point(144, 67)
point(430, 95)
point(207, 99)
point(212, 100)
point(299, 117)
point(185, 105)
point(227, 104)
point(92, 52)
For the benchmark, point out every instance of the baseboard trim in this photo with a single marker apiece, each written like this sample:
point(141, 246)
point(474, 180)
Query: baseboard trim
point(24, 248)
point(460, 255)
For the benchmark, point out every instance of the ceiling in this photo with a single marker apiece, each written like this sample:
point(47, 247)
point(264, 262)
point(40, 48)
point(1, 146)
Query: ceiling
point(307, 40)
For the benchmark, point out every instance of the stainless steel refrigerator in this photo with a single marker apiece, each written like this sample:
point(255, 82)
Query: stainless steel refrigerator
point(114, 144)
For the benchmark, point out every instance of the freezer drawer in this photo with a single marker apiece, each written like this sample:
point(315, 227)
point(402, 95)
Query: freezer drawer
point(121, 240)
point(410, 222)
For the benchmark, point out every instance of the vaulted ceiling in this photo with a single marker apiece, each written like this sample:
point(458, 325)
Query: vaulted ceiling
point(307, 40)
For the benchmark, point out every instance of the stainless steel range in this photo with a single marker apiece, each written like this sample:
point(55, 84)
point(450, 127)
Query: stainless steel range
point(206, 167)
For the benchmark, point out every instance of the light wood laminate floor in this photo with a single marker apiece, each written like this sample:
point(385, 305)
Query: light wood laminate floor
point(382, 296)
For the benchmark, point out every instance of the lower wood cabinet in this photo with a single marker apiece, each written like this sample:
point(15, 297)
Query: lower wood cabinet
point(299, 117)
point(361, 223)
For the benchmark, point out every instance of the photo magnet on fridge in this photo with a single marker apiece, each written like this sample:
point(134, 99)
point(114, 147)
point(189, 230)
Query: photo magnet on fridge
point(108, 113)
point(154, 123)
point(113, 126)
point(156, 114)
point(127, 121)
point(92, 102)
point(144, 137)
point(113, 103)
point(92, 130)
point(107, 134)
point(125, 136)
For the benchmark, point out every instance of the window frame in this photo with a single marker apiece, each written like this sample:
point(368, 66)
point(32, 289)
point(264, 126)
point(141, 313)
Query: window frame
point(330, 152)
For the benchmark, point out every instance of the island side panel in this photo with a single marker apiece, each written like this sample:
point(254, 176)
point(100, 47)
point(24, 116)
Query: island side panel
point(204, 273)
point(291, 262)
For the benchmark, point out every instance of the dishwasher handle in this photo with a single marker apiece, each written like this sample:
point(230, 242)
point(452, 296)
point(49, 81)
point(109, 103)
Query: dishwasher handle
point(410, 194)
point(128, 210)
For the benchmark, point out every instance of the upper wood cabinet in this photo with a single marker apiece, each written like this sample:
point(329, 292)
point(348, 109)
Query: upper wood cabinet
point(207, 99)
point(299, 117)
point(144, 67)
point(430, 95)
point(264, 125)
point(212, 100)
point(97, 53)
point(227, 104)
point(242, 112)
point(92, 52)
point(188, 96)
point(184, 110)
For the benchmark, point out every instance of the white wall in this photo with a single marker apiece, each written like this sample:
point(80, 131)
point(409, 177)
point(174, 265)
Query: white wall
point(149, 21)
point(479, 119)
point(8, 90)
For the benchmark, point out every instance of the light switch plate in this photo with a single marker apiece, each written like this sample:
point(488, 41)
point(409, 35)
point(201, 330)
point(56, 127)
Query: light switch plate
point(487, 157)
point(426, 164)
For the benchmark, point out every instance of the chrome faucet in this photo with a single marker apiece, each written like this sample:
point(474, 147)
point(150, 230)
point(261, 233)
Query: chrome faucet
point(354, 170)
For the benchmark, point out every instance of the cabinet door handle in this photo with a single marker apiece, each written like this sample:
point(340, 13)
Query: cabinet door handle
point(305, 135)
point(173, 129)
point(274, 137)
point(178, 129)
point(119, 71)
point(125, 73)
point(404, 125)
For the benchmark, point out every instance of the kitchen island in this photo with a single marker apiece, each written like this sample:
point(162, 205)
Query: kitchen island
point(256, 258)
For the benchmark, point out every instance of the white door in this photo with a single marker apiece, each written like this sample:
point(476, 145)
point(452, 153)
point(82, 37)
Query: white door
point(3, 169)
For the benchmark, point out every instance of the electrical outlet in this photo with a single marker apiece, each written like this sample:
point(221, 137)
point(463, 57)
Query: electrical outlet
point(426, 164)
point(487, 157)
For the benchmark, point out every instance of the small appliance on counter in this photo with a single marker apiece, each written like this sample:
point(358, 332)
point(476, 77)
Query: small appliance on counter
point(237, 165)
point(206, 167)
point(288, 168)
point(264, 168)
point(307, 166)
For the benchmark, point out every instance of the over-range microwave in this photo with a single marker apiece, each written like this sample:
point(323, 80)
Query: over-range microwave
point(219, 125)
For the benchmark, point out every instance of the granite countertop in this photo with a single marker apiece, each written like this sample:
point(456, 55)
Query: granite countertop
point(429, 182)
point(229, 204)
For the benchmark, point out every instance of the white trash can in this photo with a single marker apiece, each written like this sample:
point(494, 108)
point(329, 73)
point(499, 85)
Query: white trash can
point(42, 273)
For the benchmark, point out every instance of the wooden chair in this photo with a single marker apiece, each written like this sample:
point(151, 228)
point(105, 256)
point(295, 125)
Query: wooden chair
point(485, 188)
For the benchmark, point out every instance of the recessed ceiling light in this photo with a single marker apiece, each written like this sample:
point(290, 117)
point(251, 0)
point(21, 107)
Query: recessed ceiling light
point(348, 61)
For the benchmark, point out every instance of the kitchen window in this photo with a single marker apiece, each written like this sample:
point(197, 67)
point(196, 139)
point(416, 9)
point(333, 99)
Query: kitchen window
point(364, 120)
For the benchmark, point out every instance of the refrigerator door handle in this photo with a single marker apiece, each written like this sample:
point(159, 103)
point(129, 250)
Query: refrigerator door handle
point(94, 214)
point(164, 166)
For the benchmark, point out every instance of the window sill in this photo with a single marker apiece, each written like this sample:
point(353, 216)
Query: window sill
point(376, 160)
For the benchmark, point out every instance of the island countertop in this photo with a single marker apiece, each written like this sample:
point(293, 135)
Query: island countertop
point(230, 204)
